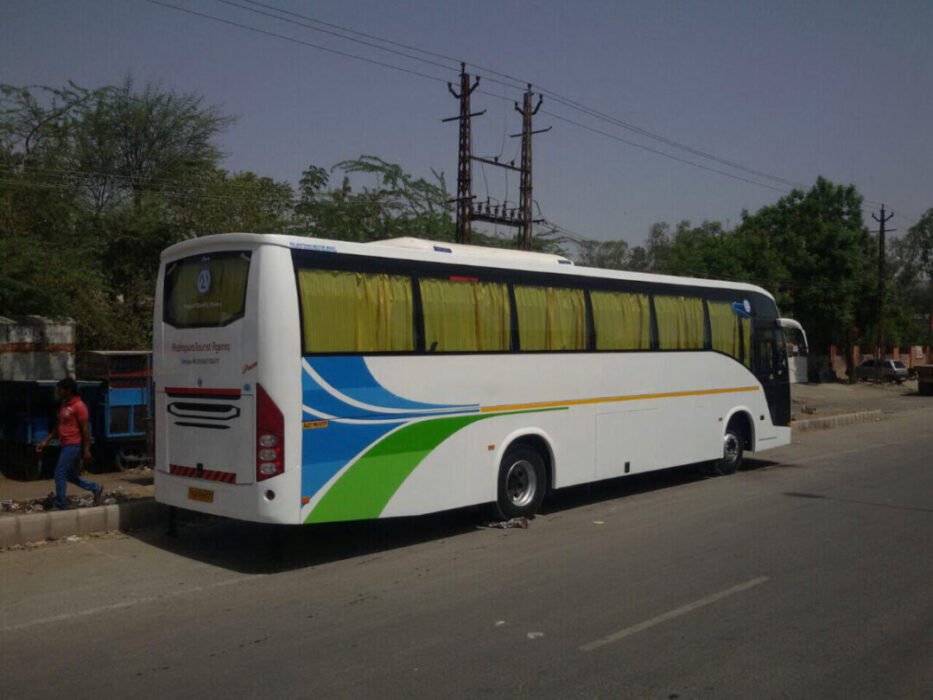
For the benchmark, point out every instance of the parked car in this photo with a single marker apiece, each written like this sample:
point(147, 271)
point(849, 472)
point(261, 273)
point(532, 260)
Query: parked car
point(882, 371)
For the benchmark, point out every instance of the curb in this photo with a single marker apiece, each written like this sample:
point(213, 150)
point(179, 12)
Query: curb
point(35, 527)
point(803, 426)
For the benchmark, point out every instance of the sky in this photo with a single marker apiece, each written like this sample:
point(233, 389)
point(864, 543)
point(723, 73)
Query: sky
point(792, 90)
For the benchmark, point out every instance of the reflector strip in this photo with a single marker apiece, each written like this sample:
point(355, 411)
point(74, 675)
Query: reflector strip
point(198, 391)
point(208, 474)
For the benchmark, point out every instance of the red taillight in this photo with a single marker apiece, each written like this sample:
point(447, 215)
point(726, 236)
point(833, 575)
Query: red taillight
point(270, 437)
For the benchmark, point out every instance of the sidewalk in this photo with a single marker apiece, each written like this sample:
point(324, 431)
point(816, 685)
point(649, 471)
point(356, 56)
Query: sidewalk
point(19, 497)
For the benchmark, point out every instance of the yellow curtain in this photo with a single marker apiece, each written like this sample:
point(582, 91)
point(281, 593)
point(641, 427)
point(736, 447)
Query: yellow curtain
point(747, 340)
point(724, 325)
point(355, 312)
point(465, 316)
point(680, 322)
point(551, 318)
point(622, 320)
point(224, 299)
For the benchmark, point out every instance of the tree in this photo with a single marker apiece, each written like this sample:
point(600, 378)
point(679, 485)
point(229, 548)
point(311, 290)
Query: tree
point(916, 246)
point(911, 303)
point(694, 251)
point(90, 188)
point(399, 204)
point(219, 202)
point(813, 251)
point(610, 255)
point(131, 142)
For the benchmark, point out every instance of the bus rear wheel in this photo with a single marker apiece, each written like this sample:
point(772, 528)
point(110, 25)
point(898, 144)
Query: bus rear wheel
point(522, 482)
point(733, 450)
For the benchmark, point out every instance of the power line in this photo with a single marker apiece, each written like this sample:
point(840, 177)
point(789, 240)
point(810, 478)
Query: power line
point(661, 153)
point(293, 40)
point(306, 25)
point(487, 72)
point(557, 97)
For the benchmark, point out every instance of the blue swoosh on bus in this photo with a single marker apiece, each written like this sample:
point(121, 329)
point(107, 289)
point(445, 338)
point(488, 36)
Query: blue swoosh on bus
point(359, 411)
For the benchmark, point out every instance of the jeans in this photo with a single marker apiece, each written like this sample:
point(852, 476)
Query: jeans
point(66, 469)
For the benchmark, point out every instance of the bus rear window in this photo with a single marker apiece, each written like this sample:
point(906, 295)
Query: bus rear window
point(206, 290)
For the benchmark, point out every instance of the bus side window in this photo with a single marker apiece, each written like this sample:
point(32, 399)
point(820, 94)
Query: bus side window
point(622, 320)
point(466, 315)
point(726, 328)
point(681, 322)
point(551, 318)
point(355, 312)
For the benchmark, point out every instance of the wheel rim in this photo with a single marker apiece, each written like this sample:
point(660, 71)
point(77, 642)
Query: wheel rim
point(730, 448)
point(521, 483)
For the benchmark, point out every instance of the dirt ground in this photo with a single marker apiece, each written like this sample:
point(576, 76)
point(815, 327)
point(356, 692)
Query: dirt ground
point(817, 400)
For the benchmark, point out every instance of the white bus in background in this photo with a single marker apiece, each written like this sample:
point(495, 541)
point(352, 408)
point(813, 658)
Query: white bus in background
point(302, 380)
point(798, 352)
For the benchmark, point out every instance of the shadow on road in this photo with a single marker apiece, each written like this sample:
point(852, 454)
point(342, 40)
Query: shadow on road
point(257, 548)
point(587, 494)
point(819, 496)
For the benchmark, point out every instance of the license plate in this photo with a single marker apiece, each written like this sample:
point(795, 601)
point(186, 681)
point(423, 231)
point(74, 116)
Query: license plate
point(203, 495)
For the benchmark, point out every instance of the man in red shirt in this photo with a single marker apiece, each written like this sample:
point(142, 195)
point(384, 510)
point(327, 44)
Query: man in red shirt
point(74, 435)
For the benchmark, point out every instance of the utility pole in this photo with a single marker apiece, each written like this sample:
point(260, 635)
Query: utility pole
point(882, 220)
point(525, 197)
point(464, 198)
point(519, 217)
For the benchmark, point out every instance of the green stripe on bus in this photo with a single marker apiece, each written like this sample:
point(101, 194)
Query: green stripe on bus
point(366, 487)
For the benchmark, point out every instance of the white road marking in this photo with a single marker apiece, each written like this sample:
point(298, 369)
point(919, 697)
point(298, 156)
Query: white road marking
point(128, 603)
point(670, 615)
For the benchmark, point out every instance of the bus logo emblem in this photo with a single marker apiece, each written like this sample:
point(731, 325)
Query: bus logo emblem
point(204, 281)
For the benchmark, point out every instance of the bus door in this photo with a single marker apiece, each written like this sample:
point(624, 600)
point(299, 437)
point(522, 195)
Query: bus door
point(769, 356)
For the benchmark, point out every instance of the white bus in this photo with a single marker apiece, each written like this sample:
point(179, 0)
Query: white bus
point(798, 352)
point(303, 380)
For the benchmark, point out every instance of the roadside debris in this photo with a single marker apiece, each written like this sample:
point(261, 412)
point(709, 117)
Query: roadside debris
point(40, 505)
point(520, 522)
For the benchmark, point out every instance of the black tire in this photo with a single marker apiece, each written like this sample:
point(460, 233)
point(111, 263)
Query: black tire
point(522, 482)
point(733, 450)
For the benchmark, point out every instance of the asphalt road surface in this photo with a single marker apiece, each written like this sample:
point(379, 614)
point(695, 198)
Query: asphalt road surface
point(810, 574)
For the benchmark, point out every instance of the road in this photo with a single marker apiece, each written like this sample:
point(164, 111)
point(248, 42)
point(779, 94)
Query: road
point(808, 575)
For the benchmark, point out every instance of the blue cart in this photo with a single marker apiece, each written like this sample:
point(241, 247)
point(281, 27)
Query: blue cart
point(123, 414)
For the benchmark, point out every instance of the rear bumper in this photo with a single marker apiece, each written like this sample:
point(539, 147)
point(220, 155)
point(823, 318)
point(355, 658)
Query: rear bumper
point(237, 501)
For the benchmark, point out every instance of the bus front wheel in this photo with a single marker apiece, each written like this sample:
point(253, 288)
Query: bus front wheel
point(522, 482)
point(733, 450)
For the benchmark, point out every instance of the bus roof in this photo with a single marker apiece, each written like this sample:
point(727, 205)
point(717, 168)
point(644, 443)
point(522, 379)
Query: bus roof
point(438, 251)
